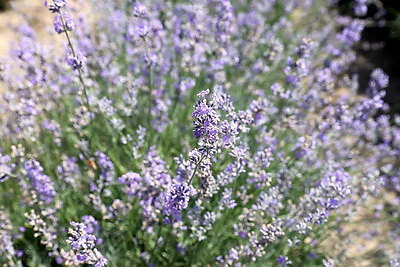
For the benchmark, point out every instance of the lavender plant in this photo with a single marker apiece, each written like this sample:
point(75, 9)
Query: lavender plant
point(198, 133)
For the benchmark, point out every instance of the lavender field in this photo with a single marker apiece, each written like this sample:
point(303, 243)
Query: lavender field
point(196, 133)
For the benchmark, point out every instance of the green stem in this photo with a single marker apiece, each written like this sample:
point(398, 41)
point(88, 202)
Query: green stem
point(150, 84)
point(74, 55)
point(80, 76)
point(197, 165)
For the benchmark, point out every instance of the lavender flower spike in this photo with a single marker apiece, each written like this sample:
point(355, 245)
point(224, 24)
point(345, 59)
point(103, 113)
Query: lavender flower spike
point(206, 121)
point(177, 198)
point(83, 245)
point(41, 183)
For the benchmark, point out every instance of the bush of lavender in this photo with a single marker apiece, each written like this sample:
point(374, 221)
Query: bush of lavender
point(190, 133)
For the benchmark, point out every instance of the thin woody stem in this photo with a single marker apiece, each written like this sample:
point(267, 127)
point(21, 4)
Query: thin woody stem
point(197, 165)
point(150, 82)
point(74, 55)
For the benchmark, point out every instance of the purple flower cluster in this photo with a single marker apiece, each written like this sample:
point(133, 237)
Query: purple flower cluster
point(177, 198)
point(5, 167)
point(206, 120)
point(55, 5)
point(148, 186)
point(360, 8)
point(352, 33)
point(132, 182)
point(378, 81)
point(7, 250)
point(63, 20)
point(69, 171)
point(83, 244)
point(41, 183)
point(107, 172)
point(284, 261)
point(281, 150)
point(54, 128)
point(76, 62)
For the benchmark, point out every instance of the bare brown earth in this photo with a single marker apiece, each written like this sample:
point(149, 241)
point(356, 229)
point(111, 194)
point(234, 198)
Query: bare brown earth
point(30, 12)
point(36, 15)
point(364, 241)
point(23, 11)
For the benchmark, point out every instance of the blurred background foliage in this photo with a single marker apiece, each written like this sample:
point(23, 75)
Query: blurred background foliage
point(379, 47)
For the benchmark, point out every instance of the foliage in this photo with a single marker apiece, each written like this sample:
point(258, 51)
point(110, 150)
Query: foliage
point(189, 133)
